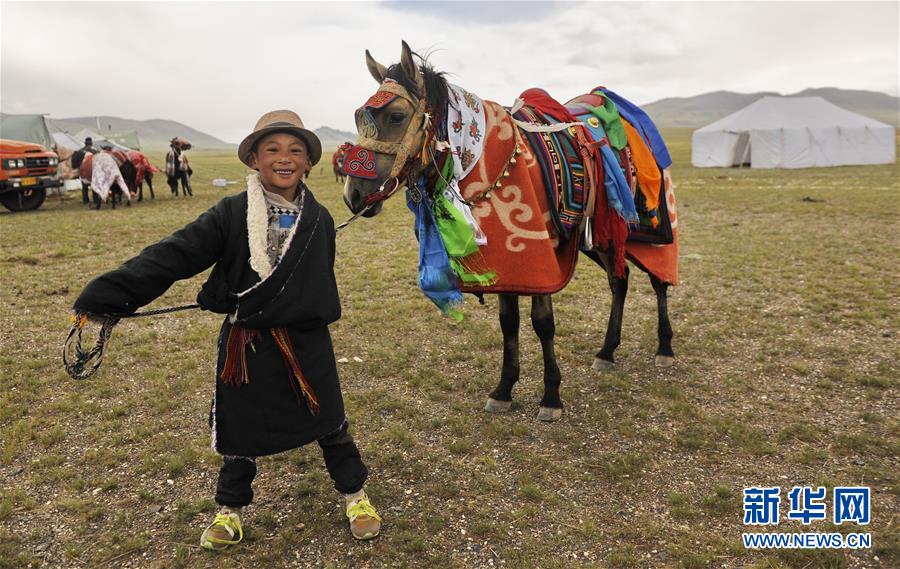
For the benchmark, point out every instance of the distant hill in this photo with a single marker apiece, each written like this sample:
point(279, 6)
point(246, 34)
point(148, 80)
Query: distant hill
point(703, 109)
point(332, 138)
point(155, 134)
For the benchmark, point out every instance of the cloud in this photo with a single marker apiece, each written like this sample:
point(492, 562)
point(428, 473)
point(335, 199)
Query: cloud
point(218, 66)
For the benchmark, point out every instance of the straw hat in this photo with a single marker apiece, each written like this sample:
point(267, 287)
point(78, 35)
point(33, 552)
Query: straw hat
point(280, 121)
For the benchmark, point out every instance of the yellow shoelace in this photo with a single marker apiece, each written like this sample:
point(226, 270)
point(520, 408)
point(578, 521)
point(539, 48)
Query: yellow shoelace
point(229, 522)
point(362, 507)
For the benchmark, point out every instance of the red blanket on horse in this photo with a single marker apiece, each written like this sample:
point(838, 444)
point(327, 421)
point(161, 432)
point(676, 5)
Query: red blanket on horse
point(523, 247)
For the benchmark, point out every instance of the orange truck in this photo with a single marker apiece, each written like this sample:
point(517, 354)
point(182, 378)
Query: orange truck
point(27, 171)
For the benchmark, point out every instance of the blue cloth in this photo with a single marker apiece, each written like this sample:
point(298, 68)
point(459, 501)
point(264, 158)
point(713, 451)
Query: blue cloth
point(644, 124)
point(618, 192)
point(436, 277)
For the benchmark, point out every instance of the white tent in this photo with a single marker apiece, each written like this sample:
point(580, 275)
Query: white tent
point(66, 140)
point(793, 132)
point(99, 140)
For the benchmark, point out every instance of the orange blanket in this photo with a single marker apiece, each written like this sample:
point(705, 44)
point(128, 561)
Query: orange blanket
point(659, 260)
point(523, 247)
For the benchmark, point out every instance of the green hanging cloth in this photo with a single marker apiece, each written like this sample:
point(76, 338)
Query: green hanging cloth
point(612, 124)
point(458, 237)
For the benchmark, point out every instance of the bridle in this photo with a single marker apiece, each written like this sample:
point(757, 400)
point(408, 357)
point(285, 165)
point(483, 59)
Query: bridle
point(400, 150)
point(362, 154)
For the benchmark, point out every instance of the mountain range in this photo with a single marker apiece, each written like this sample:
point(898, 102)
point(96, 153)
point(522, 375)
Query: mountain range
point(155, 134)
point(701, 110)
point(692, 112)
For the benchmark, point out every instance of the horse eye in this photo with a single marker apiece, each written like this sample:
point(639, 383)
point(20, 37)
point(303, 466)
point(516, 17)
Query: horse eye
point(396, 118)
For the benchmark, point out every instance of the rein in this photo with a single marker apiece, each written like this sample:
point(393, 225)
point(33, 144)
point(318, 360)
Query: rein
point(372, 199)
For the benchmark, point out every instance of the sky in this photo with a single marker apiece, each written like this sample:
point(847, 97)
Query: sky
point(218, 66)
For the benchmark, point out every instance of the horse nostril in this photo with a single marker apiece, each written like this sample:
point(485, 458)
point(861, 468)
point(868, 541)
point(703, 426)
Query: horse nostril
point(355, 198)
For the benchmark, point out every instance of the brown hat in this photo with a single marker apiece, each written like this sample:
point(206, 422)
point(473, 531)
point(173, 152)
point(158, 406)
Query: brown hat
point(280, 121)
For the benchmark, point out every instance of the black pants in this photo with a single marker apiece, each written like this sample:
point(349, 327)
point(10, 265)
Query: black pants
point(185, 183)
point(341, 459)
point(84, 193)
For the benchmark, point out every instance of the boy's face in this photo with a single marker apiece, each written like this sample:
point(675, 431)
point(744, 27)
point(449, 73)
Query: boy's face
point(281, 160)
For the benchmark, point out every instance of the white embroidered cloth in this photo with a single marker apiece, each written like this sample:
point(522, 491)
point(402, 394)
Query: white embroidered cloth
point(465, 129)
point(105, 173)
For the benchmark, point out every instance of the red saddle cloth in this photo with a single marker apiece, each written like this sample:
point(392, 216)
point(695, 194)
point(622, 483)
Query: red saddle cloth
point(523, 248)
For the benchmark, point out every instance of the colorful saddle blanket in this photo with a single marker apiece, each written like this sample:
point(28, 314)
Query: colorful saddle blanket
point(638, 171)
point(632, 178)
point(562, 169)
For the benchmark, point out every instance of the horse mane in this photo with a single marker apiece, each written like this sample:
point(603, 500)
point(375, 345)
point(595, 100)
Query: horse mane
point(435, 84)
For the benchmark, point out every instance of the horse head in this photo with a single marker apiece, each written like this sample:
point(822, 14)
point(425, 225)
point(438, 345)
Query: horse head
point(396, 128)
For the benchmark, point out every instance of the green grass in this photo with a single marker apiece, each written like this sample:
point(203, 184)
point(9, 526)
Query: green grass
point(786, 329)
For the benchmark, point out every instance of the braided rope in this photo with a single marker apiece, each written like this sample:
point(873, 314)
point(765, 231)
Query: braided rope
point(81, 363)
point(81, 367)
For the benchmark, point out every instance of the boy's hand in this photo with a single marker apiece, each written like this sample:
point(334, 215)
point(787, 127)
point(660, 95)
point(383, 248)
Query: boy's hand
point(82, 318)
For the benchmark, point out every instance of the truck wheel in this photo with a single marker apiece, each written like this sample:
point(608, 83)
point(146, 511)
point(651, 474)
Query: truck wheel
point(18, 201)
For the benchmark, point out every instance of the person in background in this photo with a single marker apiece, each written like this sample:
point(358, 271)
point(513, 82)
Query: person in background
point(77, 159)
point(177, 167)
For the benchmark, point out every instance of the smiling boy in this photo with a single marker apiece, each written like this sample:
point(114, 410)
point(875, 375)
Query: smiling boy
point(272, 249)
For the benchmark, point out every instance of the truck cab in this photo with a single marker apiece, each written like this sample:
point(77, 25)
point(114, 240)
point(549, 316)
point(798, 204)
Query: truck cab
point(27, 171)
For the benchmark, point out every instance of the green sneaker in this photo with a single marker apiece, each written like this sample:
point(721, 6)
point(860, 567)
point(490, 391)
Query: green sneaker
point(365, 523)
point(221, 533)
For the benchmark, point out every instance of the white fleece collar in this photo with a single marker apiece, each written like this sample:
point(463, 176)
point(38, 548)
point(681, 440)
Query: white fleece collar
point(258, 230)
point(258, 227)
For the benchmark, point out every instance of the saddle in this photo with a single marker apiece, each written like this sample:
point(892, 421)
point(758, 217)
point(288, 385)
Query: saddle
point(623, 175)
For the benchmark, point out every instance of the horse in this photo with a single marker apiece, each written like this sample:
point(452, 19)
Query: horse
point(144, 171)
point(127, 172)
point(337, 161)
point(401, 141)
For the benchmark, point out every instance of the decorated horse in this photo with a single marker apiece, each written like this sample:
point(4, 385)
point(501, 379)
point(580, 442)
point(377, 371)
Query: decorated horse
point(111, 179)
point(144, 171)
point(337, 161)
point(505, 198)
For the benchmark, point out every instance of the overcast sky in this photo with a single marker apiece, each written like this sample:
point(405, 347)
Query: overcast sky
point(218, 66)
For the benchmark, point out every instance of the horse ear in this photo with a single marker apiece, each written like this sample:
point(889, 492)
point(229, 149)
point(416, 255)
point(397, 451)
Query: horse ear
point(407, 64)
point(377, 70)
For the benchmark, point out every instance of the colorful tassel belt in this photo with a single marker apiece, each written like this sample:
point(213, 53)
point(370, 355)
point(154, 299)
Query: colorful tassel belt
point(234, 372)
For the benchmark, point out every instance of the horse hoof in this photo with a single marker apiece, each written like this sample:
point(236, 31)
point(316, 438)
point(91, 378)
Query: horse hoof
point(549, 414)
point(664, 361)
point(602, 365)
point(494, 406)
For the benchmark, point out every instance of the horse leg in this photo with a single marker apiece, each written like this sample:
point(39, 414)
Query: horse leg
point(500, 399)
point(545, 328)
point(604, 359)
point(665, 357)
point(149, 180)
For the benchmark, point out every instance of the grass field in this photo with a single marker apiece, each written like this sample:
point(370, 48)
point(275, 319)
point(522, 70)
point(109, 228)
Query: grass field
point(786, 338)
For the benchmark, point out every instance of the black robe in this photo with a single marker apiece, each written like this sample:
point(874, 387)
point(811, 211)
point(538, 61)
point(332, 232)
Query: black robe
point(263, 416)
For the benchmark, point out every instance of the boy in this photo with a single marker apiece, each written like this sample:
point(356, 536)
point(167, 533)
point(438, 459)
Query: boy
point(276, 379)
